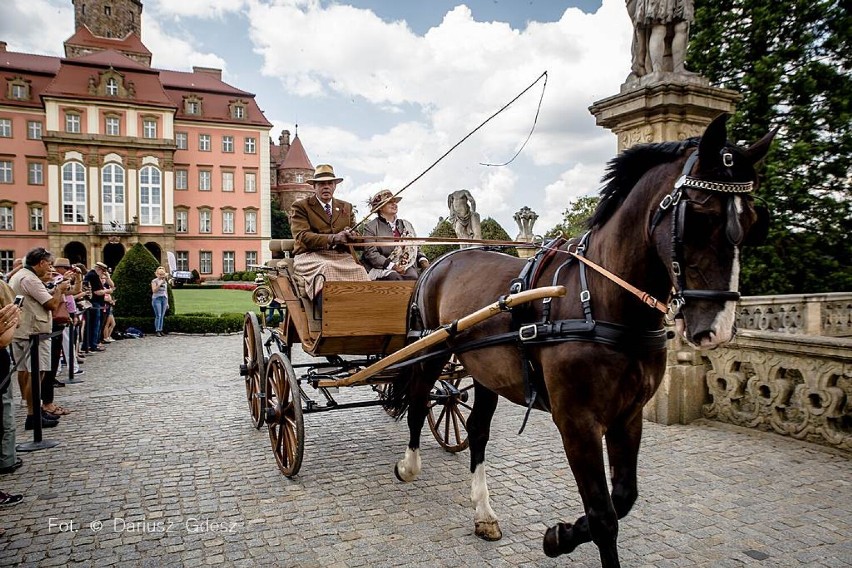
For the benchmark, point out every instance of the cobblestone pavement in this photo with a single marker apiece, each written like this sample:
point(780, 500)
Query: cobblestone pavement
point(159, 454)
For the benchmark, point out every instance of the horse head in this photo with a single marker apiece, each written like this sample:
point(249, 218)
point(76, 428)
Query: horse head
point(713, 215)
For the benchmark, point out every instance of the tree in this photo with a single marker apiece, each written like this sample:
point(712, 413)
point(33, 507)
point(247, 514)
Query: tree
point(132, 279)
point(280, 222)
point(444, 230)
point(492, 231)
point(574, 217)
point(790, 59)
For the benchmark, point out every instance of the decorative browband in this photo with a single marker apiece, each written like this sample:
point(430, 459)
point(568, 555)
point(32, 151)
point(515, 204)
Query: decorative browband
point(721, 187)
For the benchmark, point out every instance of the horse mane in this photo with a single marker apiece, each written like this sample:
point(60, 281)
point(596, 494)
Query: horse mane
point(625, 170)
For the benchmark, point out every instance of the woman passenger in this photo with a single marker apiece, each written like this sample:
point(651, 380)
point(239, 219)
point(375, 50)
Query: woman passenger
point(390, 262)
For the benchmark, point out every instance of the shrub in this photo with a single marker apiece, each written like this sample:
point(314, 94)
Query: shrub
point(442, 229)
point(492, 231)
point(188, 323)
point(132, 279)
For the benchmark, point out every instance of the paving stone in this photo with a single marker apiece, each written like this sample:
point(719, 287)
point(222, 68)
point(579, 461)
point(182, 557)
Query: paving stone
point(159, 465)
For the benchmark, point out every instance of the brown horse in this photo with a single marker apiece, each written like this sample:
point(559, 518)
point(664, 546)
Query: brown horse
point(671, 222)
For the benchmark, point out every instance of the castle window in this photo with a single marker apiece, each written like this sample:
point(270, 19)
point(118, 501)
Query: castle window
point(18, 89)
point(5, 127)
point(192, 105)
point(112, 126)
point(111, 87)
point(108, 10)
point(72, 123)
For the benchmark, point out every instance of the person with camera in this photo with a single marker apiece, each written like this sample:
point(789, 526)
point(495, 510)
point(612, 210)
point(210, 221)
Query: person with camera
point(9, 461)
point(93, 283)
point(39, 300)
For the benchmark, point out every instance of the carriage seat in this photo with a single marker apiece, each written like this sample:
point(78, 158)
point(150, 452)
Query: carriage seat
point(286, 265)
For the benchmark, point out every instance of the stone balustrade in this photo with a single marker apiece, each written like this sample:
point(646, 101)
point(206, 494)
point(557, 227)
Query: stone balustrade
point(829, 315)
point(789, 370)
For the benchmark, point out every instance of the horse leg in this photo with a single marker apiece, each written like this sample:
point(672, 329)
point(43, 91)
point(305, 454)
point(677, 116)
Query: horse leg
point(622, 444)
point(584, 448)
point(486, 525)
point(421, 383)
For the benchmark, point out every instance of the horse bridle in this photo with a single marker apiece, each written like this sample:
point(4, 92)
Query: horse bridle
point(677, 203)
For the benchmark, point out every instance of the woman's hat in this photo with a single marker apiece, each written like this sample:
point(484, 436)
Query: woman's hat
point(62, 263)
point(385, 196)
point(324, 172)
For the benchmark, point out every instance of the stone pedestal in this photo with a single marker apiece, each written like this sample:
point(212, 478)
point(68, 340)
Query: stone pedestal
point(683, 391)
point(674, 109)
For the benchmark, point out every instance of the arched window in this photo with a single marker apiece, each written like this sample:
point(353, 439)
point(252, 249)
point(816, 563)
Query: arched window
point(112, 194)
point(150, 196)
point(73, 193)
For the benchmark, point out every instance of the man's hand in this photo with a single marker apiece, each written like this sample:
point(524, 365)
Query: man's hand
point(341, 238)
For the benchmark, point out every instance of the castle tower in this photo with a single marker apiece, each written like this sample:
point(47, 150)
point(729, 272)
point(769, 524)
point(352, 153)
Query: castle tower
point(108, 24)
point(109, 18)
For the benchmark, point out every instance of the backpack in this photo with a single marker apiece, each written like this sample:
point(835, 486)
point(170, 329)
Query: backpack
point(132, 332)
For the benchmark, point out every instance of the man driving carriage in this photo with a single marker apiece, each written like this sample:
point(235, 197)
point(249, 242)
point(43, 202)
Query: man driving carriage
point(321, 226)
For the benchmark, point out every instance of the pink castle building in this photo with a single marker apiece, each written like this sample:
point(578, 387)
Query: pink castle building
point(99, 151)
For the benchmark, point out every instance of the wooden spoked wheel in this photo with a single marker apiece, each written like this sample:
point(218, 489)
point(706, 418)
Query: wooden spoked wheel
point(450, 403)
point(253, 368)
point(284, 414)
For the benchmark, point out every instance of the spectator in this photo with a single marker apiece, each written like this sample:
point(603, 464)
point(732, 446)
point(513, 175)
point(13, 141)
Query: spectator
point(109, 302)
point(35, 318)
point(9, 461)
point(93, 315)
point(9, 317)
point(17, 264)
point(160, 298)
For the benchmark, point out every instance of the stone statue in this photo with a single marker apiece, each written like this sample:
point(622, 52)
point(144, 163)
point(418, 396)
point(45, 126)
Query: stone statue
point(463, 216)
point(660, 36)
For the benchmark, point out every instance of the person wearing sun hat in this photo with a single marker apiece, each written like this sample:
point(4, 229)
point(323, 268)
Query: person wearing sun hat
point(390, 262)
point(321, 226)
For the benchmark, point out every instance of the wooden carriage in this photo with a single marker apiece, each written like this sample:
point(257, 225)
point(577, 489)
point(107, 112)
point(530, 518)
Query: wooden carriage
point(358, 324)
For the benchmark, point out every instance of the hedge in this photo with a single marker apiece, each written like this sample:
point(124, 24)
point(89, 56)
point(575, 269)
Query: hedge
point(189, 323)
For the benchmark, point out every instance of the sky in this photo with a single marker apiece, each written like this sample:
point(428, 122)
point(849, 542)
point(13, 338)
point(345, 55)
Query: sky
point(381, 89)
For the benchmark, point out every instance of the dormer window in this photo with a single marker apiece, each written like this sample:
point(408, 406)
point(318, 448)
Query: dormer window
point(192, 105)
point(238, 109)
point(18, 89)
point(112, 87)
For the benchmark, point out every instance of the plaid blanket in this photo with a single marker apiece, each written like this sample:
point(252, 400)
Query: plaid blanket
point(331, 264)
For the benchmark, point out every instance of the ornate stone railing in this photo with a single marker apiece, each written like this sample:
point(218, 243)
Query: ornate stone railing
point(828, 315)
point(799, 387)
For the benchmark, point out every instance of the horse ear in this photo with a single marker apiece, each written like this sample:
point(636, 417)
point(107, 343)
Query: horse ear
point(757, 151)
point(714, 138)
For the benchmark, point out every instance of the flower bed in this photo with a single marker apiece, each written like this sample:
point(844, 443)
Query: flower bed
point(239, 286)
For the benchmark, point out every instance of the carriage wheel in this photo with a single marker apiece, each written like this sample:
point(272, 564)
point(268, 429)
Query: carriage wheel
point(383, 389)
point(284, 415)
point(450, 403)
point(253, 367)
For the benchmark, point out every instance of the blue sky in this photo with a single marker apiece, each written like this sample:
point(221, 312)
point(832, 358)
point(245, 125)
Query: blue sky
point(381, 88)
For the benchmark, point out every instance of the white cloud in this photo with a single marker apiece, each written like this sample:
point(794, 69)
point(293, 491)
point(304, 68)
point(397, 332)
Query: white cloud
point(454, 77)
point(37, 26)
point(176, 53)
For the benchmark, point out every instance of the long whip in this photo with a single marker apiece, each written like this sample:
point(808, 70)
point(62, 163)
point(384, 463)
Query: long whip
point(456, 145)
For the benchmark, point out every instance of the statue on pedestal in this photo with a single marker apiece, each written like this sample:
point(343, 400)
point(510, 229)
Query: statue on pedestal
point(463, 216)
point(525, 218)
point(660, 37)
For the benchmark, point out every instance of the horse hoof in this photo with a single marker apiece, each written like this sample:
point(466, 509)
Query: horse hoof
point(396, 473)
point(399, 475)
point(488, 530)
point(557, 540)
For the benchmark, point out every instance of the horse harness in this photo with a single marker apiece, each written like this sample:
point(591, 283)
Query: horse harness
point(543, 332)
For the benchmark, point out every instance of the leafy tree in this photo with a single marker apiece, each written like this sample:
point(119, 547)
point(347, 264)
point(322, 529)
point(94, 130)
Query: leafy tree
point(492, 231)
point(132, 279)
point(280, 222)
point(791, 61)
point(574, 217)
point(444, 230)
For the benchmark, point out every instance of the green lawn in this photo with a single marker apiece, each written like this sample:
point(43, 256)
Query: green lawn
point(215, 301)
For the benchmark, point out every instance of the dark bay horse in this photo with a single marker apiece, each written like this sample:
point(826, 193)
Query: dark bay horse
point(671, 221)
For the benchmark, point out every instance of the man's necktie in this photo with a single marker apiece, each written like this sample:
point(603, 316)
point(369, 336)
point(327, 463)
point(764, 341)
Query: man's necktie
point(328, 210)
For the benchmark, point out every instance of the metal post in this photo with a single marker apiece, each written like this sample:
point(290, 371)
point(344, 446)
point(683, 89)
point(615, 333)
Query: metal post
point(35, 395)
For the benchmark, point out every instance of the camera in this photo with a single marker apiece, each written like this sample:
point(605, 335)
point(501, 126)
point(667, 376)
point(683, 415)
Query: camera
point(19, 300)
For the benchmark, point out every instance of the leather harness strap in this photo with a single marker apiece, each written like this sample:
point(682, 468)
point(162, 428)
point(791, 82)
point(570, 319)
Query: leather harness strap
point(646, 298)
